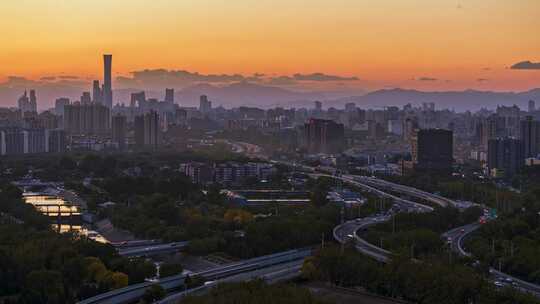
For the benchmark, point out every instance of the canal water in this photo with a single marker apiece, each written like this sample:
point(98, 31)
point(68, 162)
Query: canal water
point(70, 215)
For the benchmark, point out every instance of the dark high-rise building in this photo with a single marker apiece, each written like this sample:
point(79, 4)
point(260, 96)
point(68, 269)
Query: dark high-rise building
point(88, 119)
point(86, 98)
point(324, 136)
point(97, 95)
point(33, 100)
point(119, 131)
point(56, 141)
point(138, 99)
point(532, 106)
point(36, 141)
point(107, 81)
point(529, 134)
point(12, 141)
point(432, 149)
point(410, 125)
point(169, 95)
point(59, 105)
point(28, 105)
point(147, 131)
point(205, 105)
point(505, 156)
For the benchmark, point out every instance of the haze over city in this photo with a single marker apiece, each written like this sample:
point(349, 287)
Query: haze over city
point(335, 49)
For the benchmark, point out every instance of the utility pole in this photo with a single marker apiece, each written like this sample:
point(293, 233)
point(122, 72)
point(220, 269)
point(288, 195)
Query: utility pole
point(322, 241)
point(492, 246)
point(393, 223)
point(512, 248)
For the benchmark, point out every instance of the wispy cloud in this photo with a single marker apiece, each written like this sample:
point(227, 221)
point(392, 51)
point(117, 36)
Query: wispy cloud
point(424, 78)
point(322, 77)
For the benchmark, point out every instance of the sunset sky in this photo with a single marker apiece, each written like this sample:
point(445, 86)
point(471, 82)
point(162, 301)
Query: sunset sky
point(423, 44)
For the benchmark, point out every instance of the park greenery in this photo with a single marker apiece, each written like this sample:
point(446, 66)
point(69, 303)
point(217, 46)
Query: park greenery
point(420, 233)
point(429, 281)
point(158, 202)
point(512, 242)
point(254, 292)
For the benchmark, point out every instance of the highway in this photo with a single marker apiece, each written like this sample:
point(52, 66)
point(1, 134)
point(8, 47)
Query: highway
point(134, 292)
point(500, 279)
point(152, 249)
point(270, 275)
point(456, 236)
point(380, 183)
point(347, 232)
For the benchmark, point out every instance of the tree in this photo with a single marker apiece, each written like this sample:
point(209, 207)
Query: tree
point(44, 286)
point(169, 269)
point(153, 293)
point(119, 280)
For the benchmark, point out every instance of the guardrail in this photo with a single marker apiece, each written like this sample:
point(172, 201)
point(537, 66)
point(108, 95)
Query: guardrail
point(134, 292)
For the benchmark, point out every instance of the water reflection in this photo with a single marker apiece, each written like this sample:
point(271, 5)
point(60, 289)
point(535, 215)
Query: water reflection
point(51, 205)
point(82, 230)
point(55, 206)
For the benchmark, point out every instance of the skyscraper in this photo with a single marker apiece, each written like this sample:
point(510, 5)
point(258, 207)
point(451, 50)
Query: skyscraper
point(56, 141)
point(169, 95)
point(88, 119)
point(505, 157)
point(97, 95)
point(107, 81)
point(28, 105)
point(147, 131)
point(33, 100)
point(119, 131)
point(59, 105)
point(324, 136)
point(86, 98)
point(138, 99)
point(432, 149)
point(529, 134)
point(205, 105)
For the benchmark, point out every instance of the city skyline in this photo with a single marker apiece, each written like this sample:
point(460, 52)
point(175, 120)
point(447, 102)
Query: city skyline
point(341, 46)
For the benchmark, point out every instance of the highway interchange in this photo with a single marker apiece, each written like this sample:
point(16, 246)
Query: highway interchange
point(285, 265)
point(455, 237)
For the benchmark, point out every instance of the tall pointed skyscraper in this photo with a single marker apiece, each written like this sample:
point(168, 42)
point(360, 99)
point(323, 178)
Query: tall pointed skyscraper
point(107, 81)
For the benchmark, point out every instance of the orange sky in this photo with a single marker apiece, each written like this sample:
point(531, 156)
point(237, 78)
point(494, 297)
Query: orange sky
point(383, 42)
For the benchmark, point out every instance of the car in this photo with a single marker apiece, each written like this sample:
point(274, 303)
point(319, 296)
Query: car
point(498, 284)
point(462, 230)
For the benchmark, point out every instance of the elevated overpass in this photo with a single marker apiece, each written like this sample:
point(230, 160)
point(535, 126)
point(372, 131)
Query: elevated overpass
point(134, 292)
point(152, 249)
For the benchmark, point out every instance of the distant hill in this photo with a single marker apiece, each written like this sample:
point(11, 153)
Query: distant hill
point(265, 96)
point(247, 94)
point(458, 100)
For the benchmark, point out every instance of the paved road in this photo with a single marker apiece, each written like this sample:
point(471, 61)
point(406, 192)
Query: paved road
point(153, 249)
point(457, 236)
point(273, 274)
point(132, 293)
